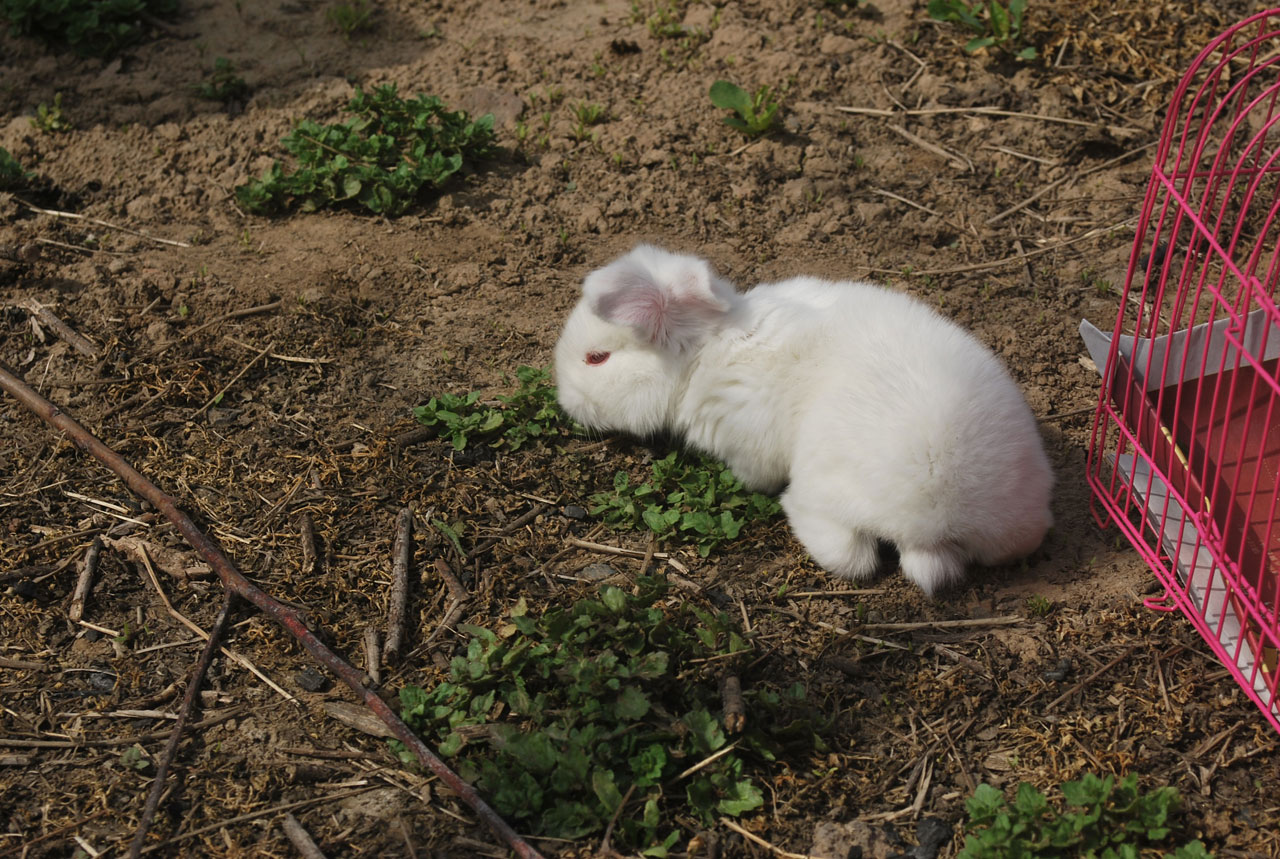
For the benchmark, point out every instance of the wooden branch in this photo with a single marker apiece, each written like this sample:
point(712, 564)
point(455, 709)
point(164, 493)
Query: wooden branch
point(734, 711)
point(85, 580)
point(398, 604)
point(307, 534)
point(72, 337)
point(300, 838)
point(372, 654)
point(287, 617)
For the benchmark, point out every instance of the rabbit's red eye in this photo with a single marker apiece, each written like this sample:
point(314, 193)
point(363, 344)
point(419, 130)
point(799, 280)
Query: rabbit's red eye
point(597, 358)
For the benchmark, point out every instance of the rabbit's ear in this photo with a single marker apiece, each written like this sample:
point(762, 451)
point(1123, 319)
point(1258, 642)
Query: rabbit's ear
point(672, 306)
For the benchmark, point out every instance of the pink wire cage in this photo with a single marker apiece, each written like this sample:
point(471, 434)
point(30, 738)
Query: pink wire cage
point(1185, 452)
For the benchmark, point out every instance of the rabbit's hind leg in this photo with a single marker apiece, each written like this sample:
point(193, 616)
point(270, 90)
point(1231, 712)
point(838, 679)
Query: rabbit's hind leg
point(934, 567)
point(836, 547)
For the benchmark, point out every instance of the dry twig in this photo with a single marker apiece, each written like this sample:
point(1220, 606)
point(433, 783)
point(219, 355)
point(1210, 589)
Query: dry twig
point(73, 216)
point(756, 839)
point(735, 718)
point(85, 581)
point(300, 838)
point(307, 535)
point(960, 162)
point(398, 604)
point(218, 396)
point(372, 662)
point(458, 598)
point(73, 338)
point(982, 110)
point(188, 705)
point(286, 616)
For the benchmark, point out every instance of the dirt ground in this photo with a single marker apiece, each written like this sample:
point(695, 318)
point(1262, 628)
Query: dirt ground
point(362, 318)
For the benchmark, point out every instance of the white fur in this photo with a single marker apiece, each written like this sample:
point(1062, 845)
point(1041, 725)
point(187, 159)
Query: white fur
point(881, 418)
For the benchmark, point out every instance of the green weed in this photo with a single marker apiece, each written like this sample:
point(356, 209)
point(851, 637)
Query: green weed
point(589, 113)
point(381, 160)
point(531, 412)
point(350, 18)
point(689, 497)
point(600, 711)
point(663, 18)
point(12, 176)
point(1109, 820)
point(754, 114)
point(1001, 27)
point(1038, 606)
point(49, 117)
point(90, 27)
point(223, 84)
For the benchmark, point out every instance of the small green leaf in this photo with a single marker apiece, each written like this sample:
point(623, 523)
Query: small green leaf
point(615, 599)
point(741, 796)
point(606, 791)
point(632, 704)
point(729, 96)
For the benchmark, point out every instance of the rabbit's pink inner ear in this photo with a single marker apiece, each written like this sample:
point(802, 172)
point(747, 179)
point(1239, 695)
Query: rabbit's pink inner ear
point(639, 306)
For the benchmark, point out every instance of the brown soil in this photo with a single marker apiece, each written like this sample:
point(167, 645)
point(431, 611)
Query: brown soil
point(473, 282)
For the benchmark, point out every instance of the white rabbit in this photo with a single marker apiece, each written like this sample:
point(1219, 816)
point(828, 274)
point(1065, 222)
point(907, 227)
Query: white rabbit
point(881, 418)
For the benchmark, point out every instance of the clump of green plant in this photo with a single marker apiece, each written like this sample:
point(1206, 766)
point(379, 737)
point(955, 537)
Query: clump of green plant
point(1110, 820)
point(49, 117)
point(665, 20)
point(12, 176)
point(689, 497)
point(531, 412)
point(223, 84)
point(754, 115)
point(601, 710)
point(91, 27)
point(589, 113)
point(349, 18)
point(382, 159)
point(1000, 27)
point(1039, 606)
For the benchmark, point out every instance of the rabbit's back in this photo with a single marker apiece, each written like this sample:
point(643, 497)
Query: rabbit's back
point(876, 407)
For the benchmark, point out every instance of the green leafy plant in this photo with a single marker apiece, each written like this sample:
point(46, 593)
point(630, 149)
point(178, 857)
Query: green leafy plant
point(688, 497)
point(382, 159)
point(601, 710)
point(589, 113)
point(12, 176)
point(1039, 606)
point(223, 84)
point(91, 27)
point(1000, 27)
point(665, 20)
point(1113, 821)
point(529, 413)
point(349, 18)
point(49, 118)
point(754, 115)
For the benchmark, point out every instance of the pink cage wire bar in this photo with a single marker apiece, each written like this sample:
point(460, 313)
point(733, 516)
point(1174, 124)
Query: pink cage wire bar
point(1184, 456)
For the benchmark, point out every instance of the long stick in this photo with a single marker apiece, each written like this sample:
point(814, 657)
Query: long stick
point(234, 581)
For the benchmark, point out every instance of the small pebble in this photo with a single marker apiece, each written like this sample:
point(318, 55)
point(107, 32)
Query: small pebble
point(597, 572)
point(312, 680)
point(1060, 672)
point(573, 511)
point(100, 681)
point(931, 833)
